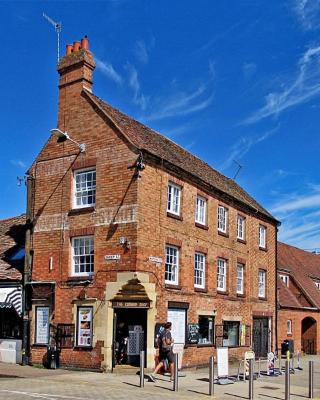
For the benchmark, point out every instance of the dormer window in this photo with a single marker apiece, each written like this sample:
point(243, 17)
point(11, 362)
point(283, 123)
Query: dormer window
point(317, 283)
point(173, 199)
point(285, 279)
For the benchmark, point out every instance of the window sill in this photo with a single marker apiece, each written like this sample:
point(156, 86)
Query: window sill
point(225, 234)
point(198, 225)
point(85, 348)
point(200, 290)
point(174, 216)
point(241, 241)
point(83, 210)
point(75, 280)
point(263, 248)
point(199, 345)
point(262, 298)
point(223, 292)
point(172, 286)
point(241, 295)
point(40, 345)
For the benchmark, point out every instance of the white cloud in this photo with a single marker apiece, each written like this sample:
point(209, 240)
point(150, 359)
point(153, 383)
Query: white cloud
point(18, 163)
point(304, 86)
point(108, 70)
point(308, 201)
point(308, 13)
point(138, 98)
point(141, 52)
point(243, 145)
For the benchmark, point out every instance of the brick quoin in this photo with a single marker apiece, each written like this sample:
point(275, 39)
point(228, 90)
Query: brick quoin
point(132, 203)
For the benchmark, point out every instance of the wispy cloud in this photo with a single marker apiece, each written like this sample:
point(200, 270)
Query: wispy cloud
point(18, 163)
point(308, 13)
point(108, 70)
point(141, 52)
point(303, 87)
point(243, 145)
point(300, 216)
point(138, 98)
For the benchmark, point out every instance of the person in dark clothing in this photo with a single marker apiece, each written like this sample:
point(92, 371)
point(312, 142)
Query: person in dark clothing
point(165, 351)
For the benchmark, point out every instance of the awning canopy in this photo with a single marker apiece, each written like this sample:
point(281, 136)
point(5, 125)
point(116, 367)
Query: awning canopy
point(11, 297)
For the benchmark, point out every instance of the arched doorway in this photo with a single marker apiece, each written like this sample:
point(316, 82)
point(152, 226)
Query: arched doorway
point(309, 335)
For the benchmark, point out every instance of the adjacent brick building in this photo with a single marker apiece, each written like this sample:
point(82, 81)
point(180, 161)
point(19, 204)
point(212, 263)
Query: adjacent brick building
point(135, 231)
point(299, 298)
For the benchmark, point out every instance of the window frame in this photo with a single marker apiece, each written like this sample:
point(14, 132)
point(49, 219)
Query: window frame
point(317, 283)
point(177, 266)
point(203, 255)
point(224, 276)
point(243, 219)
point(263, 273)
point(74, 200)
point(225, 219)
point(197, 220)
point(228, 323)
point(36, 331)
point(73, 255)
point(262, 238)
point(242, 266)
point(289, 327)
point(173, 186)
point(212, 317)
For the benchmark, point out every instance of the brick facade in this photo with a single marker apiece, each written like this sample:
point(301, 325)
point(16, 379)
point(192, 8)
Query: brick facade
point(131, 203)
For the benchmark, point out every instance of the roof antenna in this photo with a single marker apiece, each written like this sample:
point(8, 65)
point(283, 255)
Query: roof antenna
point(238, 170)
point(57, 27)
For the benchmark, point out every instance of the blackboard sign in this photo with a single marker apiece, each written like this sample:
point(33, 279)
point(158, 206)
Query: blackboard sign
point(193, 333)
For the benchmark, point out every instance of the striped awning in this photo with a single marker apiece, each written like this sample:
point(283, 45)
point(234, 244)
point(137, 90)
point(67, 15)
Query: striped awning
point(11, 297)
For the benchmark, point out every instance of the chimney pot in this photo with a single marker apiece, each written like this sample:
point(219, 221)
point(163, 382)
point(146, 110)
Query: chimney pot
point(76, 46)
point(69, 49)
point(85, 43)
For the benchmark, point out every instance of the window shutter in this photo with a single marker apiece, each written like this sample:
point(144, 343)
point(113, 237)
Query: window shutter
point(219, 335)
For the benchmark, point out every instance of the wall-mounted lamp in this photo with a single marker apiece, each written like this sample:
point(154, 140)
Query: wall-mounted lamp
point(64, 135)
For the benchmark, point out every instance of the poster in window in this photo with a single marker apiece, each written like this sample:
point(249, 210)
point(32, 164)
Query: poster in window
point(42, 325)
point(178, 319)
point(84, 326)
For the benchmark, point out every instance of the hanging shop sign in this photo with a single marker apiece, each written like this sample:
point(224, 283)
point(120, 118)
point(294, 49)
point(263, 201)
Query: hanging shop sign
point(131, 304)
point(84, 334)
point(42, 325)
point(112, 257)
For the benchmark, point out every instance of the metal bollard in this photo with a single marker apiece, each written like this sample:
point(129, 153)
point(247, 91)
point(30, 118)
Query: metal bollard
point(280, 365)
point(287, 381)
point(211, 376)
point(259, 366)
point(142, 369)
point(311, 376)
point(175, 378)
point(251, 368)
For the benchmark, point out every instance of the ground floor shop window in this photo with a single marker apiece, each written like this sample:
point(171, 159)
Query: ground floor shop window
point(231, 333)
point(84, 326)
point(206, 324)
point(42, 325)
point(178, 318)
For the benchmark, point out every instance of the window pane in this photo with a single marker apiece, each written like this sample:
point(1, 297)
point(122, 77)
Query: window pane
point(85, 188)
point(83, 255)
point(172, 264)
point(199, 270)
point(206, 330)
point(231, 333)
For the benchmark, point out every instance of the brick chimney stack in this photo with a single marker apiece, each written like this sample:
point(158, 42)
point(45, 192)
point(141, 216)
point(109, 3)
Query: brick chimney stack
point(76, 73)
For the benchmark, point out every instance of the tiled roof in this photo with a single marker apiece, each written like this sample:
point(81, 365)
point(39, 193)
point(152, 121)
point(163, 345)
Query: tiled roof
point(12, 238)
point(302, 266)
point(144, 138)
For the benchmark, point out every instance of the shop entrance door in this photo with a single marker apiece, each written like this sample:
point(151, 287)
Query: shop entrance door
point(260, 336)
point(129, 335)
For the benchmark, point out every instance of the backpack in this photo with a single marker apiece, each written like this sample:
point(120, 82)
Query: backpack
point(159, 338)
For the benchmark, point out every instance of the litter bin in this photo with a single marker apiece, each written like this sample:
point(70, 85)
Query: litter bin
point(52, 357)
point(287, 345)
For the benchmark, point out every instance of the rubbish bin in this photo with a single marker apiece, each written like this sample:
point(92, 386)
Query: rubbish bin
point(287, 345)
point(52, 357)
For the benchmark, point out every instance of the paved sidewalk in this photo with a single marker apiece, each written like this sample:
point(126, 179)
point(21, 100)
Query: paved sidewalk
point(17, 383)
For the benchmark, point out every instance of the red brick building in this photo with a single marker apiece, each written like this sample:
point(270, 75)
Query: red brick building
point(299, 298)
point(135, 231)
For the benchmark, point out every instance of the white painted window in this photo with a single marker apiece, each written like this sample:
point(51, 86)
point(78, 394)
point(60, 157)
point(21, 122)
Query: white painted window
point(262, 283)
point(317, 285)
point(222, 275)
point(172, 265)
point(285, 279)
point(84, 188)
point(240, 278)
point(199, 270)
point(222, 219)
point(241, 227)
point(201, 210)
point(82, 255)
point(262, 236)
point(173, 199)
point(289, 327)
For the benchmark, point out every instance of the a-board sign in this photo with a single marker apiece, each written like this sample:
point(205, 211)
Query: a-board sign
point(223, 361)
point(193, 333)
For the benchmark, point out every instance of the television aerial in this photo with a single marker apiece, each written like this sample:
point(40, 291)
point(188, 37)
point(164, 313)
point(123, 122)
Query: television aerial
point(57, 27)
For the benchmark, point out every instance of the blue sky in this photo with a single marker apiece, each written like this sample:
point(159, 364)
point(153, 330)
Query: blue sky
point(228, 80)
